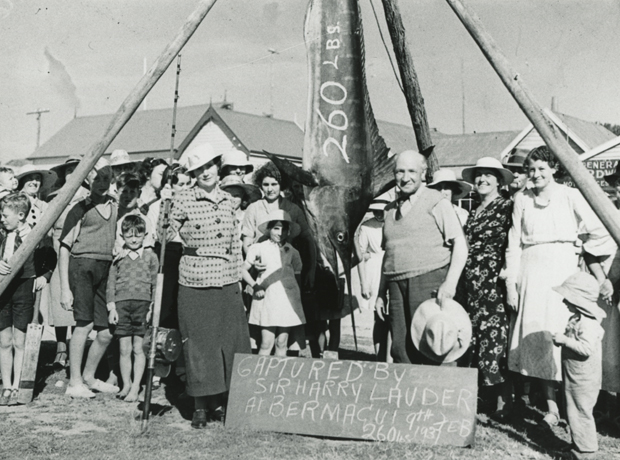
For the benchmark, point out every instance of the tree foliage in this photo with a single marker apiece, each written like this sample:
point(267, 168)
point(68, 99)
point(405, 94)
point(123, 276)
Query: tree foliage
point(613, 128)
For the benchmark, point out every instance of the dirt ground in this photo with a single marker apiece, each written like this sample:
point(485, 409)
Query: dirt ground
point(56, 427)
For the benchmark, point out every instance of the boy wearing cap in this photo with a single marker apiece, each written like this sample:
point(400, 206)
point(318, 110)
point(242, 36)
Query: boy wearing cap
point(87, 241)
point(581, 359)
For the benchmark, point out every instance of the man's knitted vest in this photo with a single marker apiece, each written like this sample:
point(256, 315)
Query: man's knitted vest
point(414, 245)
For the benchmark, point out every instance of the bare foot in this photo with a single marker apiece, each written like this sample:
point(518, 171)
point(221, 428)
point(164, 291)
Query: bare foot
point(125, 391)
point(112, 379)
point(131, 397)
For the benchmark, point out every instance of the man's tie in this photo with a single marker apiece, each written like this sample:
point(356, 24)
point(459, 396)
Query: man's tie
point(403, 205)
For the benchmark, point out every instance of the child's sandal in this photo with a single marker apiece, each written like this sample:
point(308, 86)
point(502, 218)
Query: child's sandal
point(60, 359)
point(13, 397)
point(5, 397)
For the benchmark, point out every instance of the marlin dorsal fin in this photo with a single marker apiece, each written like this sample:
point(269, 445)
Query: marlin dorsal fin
point(292, 170)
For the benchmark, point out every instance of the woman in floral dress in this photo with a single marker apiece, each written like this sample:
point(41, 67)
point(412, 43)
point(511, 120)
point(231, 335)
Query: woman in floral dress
point(481, 289)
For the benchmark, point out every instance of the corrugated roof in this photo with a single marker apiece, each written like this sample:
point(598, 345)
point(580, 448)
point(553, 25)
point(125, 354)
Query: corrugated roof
point(147, 131)
point(466, 149)
point(592, 134)
point(260, 133)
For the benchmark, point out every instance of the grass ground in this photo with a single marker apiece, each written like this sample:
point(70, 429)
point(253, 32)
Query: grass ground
point(56, 427)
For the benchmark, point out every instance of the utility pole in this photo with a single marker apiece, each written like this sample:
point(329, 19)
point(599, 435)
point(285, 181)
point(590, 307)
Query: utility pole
point(38, 113)
point(273, 53)
point(463, 94)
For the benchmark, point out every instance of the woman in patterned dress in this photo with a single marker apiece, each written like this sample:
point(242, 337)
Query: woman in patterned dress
point(211, 312)
point(482, 291)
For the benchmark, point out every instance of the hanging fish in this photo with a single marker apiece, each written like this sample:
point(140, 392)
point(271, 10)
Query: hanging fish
point(345, 161)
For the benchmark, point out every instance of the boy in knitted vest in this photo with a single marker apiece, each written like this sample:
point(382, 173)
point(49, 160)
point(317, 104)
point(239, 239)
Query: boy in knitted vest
point(86, 244)
point(131, 287)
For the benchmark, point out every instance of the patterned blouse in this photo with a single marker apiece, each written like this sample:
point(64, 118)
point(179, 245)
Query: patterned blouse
point(211, 242)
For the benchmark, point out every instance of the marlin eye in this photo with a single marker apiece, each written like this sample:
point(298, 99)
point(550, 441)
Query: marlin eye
point(340, 237)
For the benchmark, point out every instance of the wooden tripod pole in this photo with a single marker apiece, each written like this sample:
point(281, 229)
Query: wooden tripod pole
point(592, 192)
point(411, 85)
point(122, 116)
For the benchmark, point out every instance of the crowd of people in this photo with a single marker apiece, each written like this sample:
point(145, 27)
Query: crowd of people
point(532, 266)
point(525, 283)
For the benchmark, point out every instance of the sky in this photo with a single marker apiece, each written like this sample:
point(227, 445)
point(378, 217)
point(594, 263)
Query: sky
point(85, 56)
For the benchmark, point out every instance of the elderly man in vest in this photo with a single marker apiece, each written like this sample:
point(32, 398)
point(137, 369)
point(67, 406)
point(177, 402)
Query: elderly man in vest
point(425, 252)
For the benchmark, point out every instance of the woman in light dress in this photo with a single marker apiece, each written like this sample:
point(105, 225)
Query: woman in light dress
point(542, 252)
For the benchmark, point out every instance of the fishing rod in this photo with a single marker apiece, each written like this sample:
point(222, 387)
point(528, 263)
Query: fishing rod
point(150, 369)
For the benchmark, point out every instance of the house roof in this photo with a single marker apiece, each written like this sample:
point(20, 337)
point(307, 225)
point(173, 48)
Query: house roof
point(466, 149)
point(592, 134)
point(149, 131)
point(254, 133)
point(586, 135)
point(610, 146)
point(146, 131)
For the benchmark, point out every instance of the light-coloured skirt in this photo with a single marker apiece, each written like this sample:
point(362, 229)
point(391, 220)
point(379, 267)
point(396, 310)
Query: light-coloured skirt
point(542, 312)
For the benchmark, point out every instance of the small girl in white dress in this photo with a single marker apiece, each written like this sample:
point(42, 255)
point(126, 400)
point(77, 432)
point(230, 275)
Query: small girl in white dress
point(276, 303)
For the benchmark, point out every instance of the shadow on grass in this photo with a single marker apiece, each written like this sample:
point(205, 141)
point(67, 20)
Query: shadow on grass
point(45, 366)
point(523, 427)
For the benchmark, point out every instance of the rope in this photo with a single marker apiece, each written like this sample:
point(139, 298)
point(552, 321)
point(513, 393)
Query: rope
point(372, 5)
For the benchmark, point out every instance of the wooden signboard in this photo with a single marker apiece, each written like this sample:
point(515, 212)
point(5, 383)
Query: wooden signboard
point(354, 399)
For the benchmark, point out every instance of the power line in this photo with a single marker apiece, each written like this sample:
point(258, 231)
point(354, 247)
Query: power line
point(386, 47)
point(38, 113)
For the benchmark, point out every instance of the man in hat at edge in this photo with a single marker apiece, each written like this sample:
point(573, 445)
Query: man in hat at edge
point(425, 253)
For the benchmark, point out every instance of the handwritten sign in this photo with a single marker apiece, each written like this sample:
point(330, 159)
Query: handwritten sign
point(354, 399)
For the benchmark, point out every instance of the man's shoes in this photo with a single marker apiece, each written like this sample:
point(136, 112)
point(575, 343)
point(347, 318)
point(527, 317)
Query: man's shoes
point(501, 416)
point(575, 454)
point(103, 387)
point(550, 420)
point(79, 391)
point(199, 420)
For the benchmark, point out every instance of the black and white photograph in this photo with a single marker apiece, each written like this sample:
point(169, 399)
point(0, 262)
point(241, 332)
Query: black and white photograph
point(309, 229)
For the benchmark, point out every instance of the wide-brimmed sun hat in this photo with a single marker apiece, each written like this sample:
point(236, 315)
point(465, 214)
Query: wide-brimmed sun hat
point(236, 157)
point(200, 155)
point(120, 157)
point(488, 163)
point(447, 176)
point(441, 334)
point(72, 160)
point(378, 205)
point(582, 290)
point(48, 177)
point(252, 191)
point(282, 216)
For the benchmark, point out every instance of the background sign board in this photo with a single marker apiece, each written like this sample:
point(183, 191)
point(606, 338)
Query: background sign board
point(354, 399)
point(599, 169)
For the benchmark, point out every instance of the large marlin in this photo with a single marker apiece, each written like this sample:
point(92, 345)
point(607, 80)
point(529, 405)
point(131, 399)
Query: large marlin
point(345, 161)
